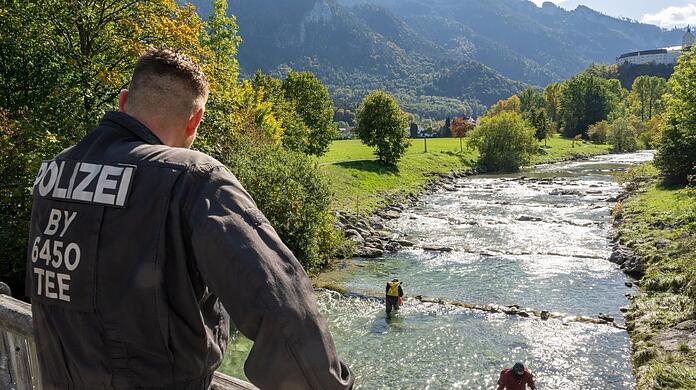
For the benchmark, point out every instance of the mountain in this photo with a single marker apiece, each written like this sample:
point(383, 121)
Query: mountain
point(434, 55)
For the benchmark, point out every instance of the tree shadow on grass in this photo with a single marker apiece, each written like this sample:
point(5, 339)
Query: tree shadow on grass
point(371, 166)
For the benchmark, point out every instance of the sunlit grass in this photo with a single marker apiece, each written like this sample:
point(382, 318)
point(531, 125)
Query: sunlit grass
point(363, 185)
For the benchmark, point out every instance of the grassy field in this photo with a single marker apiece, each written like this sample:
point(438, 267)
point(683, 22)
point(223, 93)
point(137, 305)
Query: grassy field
point(659, 224)
point(365, 184)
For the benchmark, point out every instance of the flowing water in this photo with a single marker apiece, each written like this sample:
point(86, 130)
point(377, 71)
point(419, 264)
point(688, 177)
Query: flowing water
point(537, 239)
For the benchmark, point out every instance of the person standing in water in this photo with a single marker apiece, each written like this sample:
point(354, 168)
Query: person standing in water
point(516, 378)
point(394, 294)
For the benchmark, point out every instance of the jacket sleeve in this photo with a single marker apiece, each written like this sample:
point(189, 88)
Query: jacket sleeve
point(501, 381)
point(401, 292)
point(530, 382)
point(264, 288)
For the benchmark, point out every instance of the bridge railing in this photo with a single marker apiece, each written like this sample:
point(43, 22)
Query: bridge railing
point(19, 369)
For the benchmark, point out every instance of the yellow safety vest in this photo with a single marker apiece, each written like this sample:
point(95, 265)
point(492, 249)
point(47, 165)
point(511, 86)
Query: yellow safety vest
point(393, 289)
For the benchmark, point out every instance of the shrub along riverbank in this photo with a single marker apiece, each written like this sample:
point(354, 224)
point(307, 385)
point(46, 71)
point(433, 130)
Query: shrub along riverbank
point(360, 184)
point(658, 225)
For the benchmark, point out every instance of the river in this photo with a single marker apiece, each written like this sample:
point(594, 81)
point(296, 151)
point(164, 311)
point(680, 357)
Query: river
point(538, 239)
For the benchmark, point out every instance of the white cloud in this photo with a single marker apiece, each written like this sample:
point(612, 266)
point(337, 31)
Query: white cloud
point(673, 16)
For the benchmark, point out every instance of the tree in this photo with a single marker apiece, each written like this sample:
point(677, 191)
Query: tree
point(504, 141)
point(413, 130)
point(312, 102)
point(622, 136)
point(646, 96)
point(585, 100)
point(295, 133)
point(676, 152)
point(552, 95)
point(530, 99)
point(511, 104)
point(446, 129)
point(599, 132)
point(379, 122)
point(537, 119)
point(460, 127)
point(603, 71)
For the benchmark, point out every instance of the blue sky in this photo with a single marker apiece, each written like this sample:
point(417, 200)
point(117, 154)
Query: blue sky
point(664, 13)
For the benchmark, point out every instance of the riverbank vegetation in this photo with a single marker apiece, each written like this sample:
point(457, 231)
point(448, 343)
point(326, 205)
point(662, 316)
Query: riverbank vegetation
point(657, 222)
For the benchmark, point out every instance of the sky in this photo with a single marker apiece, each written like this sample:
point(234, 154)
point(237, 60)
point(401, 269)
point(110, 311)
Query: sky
point(664, 13)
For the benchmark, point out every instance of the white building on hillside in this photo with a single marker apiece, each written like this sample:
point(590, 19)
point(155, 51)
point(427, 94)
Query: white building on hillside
point(664, 56)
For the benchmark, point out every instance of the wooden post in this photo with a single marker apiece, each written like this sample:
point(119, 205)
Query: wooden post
point(425, 141)
point(5, 367)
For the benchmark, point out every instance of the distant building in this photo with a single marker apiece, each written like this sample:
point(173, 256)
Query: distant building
point(346, 132)
point(664, 56)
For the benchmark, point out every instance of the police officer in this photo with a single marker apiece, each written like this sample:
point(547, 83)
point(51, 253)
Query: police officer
point(141, 251)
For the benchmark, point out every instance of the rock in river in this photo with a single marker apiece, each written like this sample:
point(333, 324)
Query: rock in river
point(370, 253)
point(437, 248)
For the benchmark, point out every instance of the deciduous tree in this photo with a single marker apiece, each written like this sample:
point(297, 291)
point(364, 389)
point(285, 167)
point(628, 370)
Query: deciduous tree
point(676, 153)
point(585, 100)
point(460, 128)
point(511, 104)
point(646, 96)
point(381, 123)
point(505, 141)
point(312, 102)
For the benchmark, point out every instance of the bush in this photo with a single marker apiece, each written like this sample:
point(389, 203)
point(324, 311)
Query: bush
point(599, 132)
point(622, 136)
point(381, 123)
point(294, 196)
point(504, 141)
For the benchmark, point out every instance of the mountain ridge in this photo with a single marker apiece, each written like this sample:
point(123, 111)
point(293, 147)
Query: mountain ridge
point(431, 47)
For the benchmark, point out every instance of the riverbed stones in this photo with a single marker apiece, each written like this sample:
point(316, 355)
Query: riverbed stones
point(620, 255)
point(633, 267)
point(527, 218)
point(370, 252)
point(564, 192)
point(678, 337)
point(392, 246)
point(605, 317)
point(432, 248)
point(405, 243)
point(353, 233)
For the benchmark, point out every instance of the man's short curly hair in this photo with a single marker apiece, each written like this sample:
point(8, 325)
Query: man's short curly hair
point(166, 79)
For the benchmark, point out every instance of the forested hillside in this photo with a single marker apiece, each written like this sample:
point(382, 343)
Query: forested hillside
point(473, 51)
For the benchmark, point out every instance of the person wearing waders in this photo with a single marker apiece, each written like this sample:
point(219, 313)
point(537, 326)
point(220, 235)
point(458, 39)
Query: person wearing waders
point(516, 378)
point(394, 295)
point(142, 252)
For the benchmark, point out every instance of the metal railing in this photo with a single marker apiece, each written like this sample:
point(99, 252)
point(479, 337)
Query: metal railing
point(19, 369)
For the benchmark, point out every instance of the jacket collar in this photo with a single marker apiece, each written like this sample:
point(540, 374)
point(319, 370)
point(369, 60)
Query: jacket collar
point(131, 124)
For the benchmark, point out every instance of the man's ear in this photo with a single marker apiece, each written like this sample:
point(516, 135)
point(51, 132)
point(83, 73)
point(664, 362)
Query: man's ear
point(122, 100)
point(194, 122)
